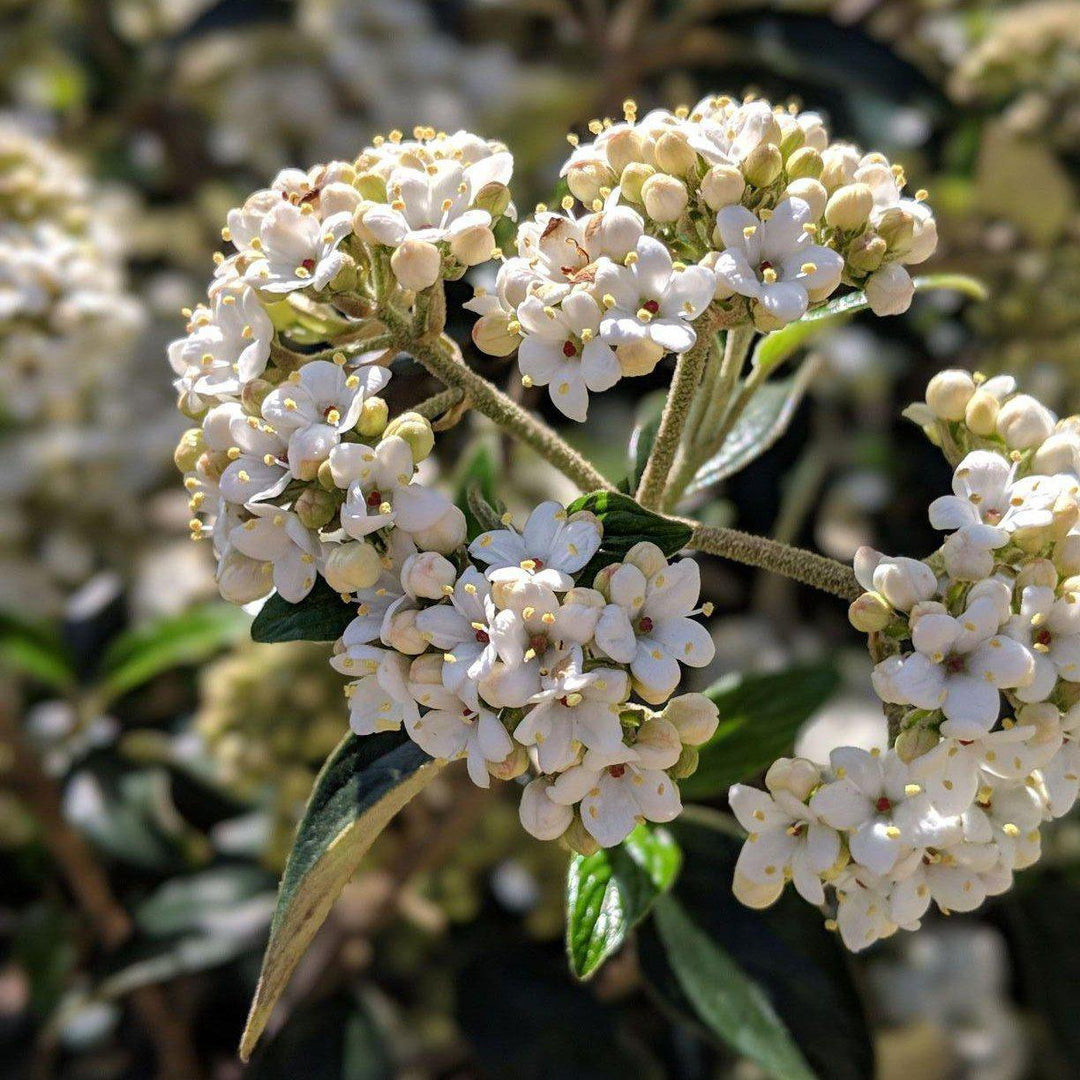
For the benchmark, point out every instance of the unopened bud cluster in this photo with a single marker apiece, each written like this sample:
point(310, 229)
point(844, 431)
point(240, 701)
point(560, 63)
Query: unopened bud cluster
point(744, 210)
point(508, 656)
point(295, 467)
point(978, 651)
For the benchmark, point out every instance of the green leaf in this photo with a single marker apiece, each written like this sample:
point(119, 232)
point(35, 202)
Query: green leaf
point(775, 348)
point(321, 616)
point(800, 973)
point(363, 784)
point(480, 473)
point(646, 426)
point(626, 523)
point(610, 892)
point(767, 415)
point(729, 1003)
point(35, 650)
point(760, 715)
point(139, 655)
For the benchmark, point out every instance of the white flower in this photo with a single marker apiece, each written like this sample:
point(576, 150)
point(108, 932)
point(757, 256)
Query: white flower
point(875, 172)
point(650, 302)
point(551, 548)
point(380, 489)
point(863, 910)
point(381, 700)
point(648, 623)
point(540, 816)
point(296, 250)
point(902, 582)
point(315, 406)
point(1049, 626)
point(561, 351)
point(574, 708)
point(257, 468)
point(1061, 775)
point(279, 537)
point(773, 261)
point(960, 666)
point(877, 798)
point(617, 792)
point(786, 839)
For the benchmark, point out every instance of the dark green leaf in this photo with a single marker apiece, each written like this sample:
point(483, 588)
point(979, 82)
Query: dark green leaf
point(35, 650)
point(139, 655)
point(321, 616)
point(363, 784)
point(626, 523)
point(775, 348)
point(724, 999)
point(478, 474)
point(785, 951)
point(760, 715)
point(334, 1039)
point(766, 417)
point(609, 893)
point(190, 903)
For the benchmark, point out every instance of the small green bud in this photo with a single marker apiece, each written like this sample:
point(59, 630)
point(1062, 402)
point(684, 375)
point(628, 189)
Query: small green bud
point(674, 154)
point(316, 507)
point(849, 207)
point(494, 198)
point(870, 613)
point(916, 741)
point(686, 765)
point(373, 417)
point(793, 141)
point(326, 477)
point(371, 186)
point(254, 394)
point(578, 839)
point(804, 164)
point(416, 431)
point(866, 253)
point(188, 449)
point(633, 177)
point(345, 279)
point(763, 165)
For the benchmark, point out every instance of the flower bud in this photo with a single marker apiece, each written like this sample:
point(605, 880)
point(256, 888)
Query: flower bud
point(915, 741)
point(191, 405)
point(1059, 454)
point(849, 207)
point(686, 765)
point(371, 186)
point(493, 197)
point(752, 895)
point(338, 198)
point(721, 186)
point(188, 449)
point(540, 817)
point(1024, 422)
point(658, 744)
point(674, 154)
point(254, 394)
point(446, 535)
point(512, 766)
point(981, 413)
point(794, 140)
point(586, 178)
point(869, 613)
point(889, 290)
point(645, 555)
point(372, 421)
point(1067, 555)
point(351, 566)
point(804, 164)
point(427, 575)
point(839, 163)
point(242, 580)
point(633, 179)
point(902, 582)
point(639, 357)
point(665, 197)
point(325, 476)
point(402, 633)
point(866, 253)
point(473, 246)
point(211, 464)
point(1041, 573)
point(897, 228)
point(415, 430)
point(795, 775)
point(613, 233)
point(316, 507)
point(949, 392)
point(624, 148)
point(965, 559)
point(811, 192)
point(416, 264)
point(492, 335)
point(763, 165)
point(694, 717)
point(578, 840)
point(345, 279)
point(425, 670)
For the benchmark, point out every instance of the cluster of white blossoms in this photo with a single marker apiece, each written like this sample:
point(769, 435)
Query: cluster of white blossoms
point(743, 208)
point(68, 328)
point(295, 468)
point(512, 656)
point(978, 651)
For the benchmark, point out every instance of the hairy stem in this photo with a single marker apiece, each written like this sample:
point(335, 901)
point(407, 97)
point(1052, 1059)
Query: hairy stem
point(442, 357)
point(684, 386)
point(800, 565)
point(437, 404)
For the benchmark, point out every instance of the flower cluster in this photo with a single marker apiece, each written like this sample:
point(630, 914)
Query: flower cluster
point(68, 328)
point(296, 468)
point(978, 664)
point(743, 208)
point(511, 657)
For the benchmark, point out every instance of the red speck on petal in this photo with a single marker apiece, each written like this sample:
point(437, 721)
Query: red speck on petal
point(645, 625)
point(569, 349)
point(483, 637)
point(617, 770)
point(308, 264)
point(883, 805)
point(1043, 637)
point(651, 306)
point(374, 498)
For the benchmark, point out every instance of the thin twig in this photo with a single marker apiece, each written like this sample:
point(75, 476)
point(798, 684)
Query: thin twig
point(437, 404)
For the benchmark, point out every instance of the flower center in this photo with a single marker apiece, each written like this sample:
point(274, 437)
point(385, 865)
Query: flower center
point(538, 564)
point(538, 643)
point(374, 498)
point(569, 349)
point(617, 771)
point(1044, 637)
point(308, 265)
point(955, 664)
point(645, 625)
point(483, 637)
point(883, 805)
point(651, 306)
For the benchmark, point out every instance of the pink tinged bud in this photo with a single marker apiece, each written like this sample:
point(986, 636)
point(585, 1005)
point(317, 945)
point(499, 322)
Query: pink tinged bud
point(428, 575)
point(416, 264)
point(446, 535)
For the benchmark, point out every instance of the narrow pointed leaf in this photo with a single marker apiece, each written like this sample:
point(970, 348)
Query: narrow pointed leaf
point(610, 892)
point(363, 784)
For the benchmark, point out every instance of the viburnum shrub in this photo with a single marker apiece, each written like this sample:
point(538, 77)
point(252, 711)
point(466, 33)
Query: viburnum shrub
point(549, 650)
